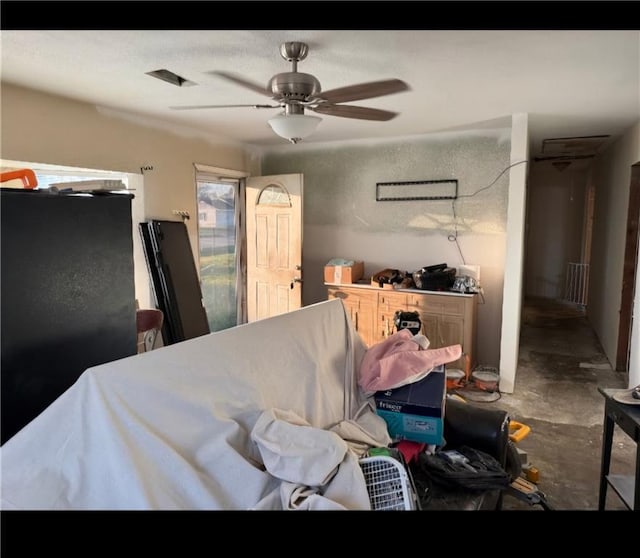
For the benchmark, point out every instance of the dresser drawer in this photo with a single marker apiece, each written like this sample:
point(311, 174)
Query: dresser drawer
point(435, 304)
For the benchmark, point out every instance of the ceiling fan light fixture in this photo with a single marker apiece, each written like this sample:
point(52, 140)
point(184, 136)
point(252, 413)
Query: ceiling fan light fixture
point(294, 127)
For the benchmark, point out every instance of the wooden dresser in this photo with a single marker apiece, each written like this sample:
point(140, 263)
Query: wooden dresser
point(447, 318)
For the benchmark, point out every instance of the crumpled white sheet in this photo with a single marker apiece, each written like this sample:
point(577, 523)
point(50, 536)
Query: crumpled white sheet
point(170, 429)
point(319, 469)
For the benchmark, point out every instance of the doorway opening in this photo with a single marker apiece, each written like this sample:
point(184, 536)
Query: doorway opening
point(629, 272)
point(222, 246)
point(576, 286)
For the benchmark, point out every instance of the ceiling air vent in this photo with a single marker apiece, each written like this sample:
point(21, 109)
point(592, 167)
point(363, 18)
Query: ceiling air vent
point(170, 77)
point(567, 149)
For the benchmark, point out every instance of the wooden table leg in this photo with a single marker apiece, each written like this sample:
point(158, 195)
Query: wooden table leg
point(607, 440)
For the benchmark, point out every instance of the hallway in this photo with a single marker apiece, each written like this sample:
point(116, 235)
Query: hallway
point(561, 365)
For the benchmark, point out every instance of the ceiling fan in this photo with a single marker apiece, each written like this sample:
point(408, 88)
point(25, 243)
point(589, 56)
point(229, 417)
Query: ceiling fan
point(296, 91)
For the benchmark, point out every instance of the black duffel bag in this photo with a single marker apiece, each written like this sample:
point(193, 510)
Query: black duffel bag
point(464, 468)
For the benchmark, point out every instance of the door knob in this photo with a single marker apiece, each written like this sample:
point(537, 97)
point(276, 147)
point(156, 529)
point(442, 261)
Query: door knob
point(296, 280)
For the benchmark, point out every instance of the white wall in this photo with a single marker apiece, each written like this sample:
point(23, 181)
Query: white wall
point(44, 128)
point(514, 261)
point(611, 177)
point(555, 214)
point(141, 275)
point(343, 218)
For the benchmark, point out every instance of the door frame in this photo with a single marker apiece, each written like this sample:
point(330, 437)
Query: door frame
point(629, 272)
point(241, 241)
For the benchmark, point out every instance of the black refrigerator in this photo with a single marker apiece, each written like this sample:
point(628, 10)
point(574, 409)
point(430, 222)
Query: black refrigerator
point(174, 279)
point(67, 294)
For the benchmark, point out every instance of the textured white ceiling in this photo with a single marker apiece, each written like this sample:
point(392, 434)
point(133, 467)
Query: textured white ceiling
point(571, 83)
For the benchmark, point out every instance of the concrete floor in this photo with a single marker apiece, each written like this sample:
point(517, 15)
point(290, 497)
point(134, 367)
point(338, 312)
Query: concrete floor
point(561, 365)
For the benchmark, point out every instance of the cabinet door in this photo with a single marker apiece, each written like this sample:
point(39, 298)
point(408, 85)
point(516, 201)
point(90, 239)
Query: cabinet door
point(361, 308)
point(443, 331)
point(365, 320)
point(451, 332)
point(389, 302)
point(385, 325)
point(430, 328)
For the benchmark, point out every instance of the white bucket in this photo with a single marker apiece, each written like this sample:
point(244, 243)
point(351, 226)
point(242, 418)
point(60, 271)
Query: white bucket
point(486, 378)
point(454, 378)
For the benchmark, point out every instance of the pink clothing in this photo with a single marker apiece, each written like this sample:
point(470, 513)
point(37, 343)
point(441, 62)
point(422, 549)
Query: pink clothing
point(398, 360)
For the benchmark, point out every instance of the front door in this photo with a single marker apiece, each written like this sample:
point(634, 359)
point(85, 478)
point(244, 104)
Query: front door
point(274, 245)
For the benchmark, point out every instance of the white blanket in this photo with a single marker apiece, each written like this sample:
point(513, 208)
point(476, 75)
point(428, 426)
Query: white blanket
point(171, 428)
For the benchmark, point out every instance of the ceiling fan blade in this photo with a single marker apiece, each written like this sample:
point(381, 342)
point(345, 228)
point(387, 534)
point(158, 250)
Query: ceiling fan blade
point(262, 90)
point(364, 91)
point(191, 107)
point(351, 111)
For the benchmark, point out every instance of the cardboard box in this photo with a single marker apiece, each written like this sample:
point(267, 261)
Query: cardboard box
point(416, 411)
point(350, 272)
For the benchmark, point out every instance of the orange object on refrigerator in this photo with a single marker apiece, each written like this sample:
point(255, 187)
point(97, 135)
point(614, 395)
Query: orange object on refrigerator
point(27, 176)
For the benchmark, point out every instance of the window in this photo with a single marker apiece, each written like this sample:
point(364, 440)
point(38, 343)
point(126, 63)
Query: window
point(274, 195)
point(63, 177)
point(218, 254)
point(48, 178)
point(58, 175)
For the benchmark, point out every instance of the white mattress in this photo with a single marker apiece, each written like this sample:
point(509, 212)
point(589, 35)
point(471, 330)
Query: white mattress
point(171, 428)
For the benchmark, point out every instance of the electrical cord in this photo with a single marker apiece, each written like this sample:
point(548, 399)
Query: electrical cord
point(495, 180)
point(454, 237)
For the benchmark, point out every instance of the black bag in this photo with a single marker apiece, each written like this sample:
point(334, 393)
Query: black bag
point(435, 277)
point(465, 468)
